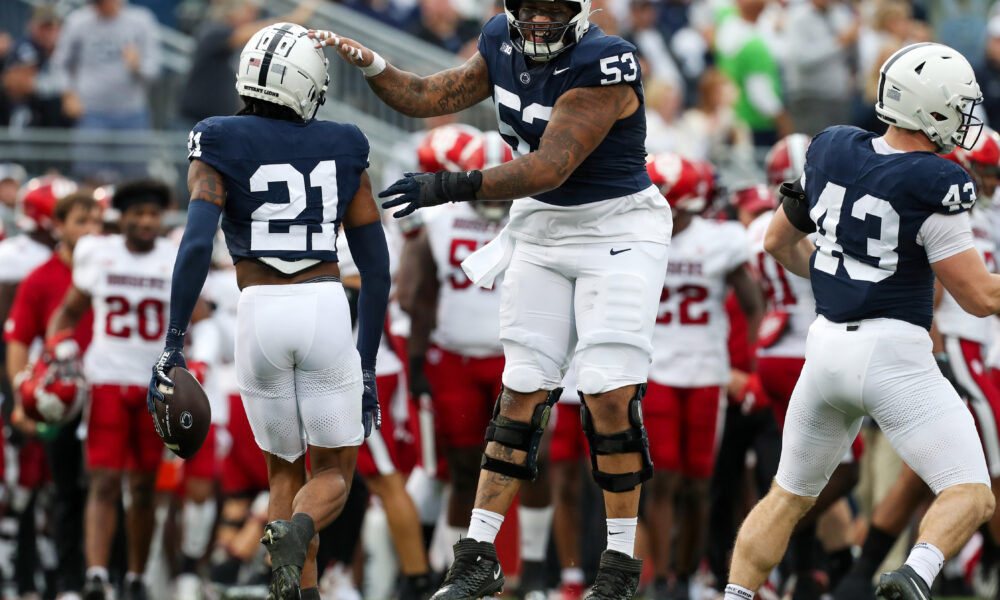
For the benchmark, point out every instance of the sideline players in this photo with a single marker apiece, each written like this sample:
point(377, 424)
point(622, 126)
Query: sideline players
point(283, 182)
point(890, 215)
point(126, 279)
point(585, 251)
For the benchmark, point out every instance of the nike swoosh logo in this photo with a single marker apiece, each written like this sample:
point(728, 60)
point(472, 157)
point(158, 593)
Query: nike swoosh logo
point(496, 574)
point(562, 70)
point(616, 532)
point(616, 252)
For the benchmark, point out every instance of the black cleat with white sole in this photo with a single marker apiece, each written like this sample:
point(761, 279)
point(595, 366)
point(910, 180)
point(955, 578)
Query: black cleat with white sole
point(617, 577)
point(475, 573)
point(902, 584)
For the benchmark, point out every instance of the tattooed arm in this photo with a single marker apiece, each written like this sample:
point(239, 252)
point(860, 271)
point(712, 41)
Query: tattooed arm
point(580, 120)
point(443, 93)
point(205, 183)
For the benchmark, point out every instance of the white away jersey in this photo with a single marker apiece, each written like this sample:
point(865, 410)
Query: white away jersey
point(19, 256)
point(468, 316)
point(131, 298)
point(950, 318)
point(689, 340)
point(784, 291)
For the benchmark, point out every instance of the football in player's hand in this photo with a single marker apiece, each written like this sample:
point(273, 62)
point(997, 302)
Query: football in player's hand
point(182, 420)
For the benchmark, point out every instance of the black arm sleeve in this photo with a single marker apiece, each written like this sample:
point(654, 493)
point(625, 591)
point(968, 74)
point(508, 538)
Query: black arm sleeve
point(793, 198)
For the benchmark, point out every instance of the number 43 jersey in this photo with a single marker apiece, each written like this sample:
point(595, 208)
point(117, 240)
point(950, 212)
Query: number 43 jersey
point(882, 220)
point(524, 99)
point(287, 184)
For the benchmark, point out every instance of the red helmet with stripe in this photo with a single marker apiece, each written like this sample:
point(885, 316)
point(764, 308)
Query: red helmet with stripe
point(446, 147)
point(755, 199)
point(786, 160)
point(982, 162)
point(36, 202)
point(684, 183)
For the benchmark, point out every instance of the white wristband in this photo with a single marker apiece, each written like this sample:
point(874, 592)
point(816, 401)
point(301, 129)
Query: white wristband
point(377, 66)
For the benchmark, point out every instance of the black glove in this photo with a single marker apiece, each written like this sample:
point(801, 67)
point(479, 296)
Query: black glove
point(171, 357)
point(945, 365)
point(420, 190)
point(419, 386)
point(371, 416)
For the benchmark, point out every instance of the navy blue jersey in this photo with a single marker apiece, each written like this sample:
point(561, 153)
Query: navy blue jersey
point(869, 209)
point(524, 99)
point(287, 184)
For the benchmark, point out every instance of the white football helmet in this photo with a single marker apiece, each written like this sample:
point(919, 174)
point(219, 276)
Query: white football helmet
point(280, 64)
point(558, 36)
point(931, 88)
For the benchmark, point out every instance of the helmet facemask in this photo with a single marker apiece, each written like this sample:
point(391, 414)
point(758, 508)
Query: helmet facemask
point(542, 41)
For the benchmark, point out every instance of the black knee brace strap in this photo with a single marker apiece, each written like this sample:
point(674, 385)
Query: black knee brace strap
point(519, 436)
point(633, 439)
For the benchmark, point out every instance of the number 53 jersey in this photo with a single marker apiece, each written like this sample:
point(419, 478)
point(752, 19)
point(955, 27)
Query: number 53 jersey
point(883, 216)
point(287, 184)
point(130, 294)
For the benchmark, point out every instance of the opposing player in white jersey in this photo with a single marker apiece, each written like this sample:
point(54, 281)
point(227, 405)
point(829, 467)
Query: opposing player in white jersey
point(690, 366)
point(283, 182)
point(891, 215)
point(126, 279)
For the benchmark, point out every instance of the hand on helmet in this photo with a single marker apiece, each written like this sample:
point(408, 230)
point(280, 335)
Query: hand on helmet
point(352, 52)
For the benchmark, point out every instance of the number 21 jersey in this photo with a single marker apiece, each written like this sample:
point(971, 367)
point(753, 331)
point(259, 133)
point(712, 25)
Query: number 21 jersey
point(130, 293)
point(870, 204)
point(287, 183)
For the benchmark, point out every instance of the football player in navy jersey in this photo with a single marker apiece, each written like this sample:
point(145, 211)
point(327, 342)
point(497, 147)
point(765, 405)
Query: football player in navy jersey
point(283, 183)
point(890, 215)
point(584, 255)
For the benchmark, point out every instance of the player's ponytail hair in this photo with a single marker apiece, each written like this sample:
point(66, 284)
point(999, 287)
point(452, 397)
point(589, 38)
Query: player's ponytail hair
point(268, 110)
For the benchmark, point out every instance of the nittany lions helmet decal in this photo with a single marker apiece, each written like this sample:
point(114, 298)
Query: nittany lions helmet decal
point(280, 64)
point(542, 41)
point(931, 88)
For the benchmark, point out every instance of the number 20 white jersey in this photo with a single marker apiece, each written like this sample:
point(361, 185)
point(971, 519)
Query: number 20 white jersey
point(130, 293)
point(468, 316)
point(689, 340)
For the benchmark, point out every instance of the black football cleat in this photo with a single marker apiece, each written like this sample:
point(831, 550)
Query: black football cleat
point(617, 577)
point(902, 584)
point(287, 547)
point(474, 574)
point(94, 589)
point(135, 590)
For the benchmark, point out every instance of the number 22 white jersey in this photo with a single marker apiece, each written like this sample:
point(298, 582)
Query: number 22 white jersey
point(130, 294)
point(689, 340)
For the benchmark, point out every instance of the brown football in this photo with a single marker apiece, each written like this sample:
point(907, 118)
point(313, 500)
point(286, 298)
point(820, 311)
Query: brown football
point(183, 419)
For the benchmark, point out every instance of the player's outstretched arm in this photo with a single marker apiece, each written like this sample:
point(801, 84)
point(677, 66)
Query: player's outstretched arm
point(965, 276)
point(580, 120)
point(788, 244)
point(442, 93)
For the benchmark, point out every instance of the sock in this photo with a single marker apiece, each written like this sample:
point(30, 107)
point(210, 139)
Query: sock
point(926, 560)
point(877, 545)
point(132, 577)
point(485, 525)
point(737, 592)
point(198, 519)
point(621, 535)
point(535, 525)
point(309, 593)
point(189, 565)
point(572, 575)
point(838, 563)
point(98, 572)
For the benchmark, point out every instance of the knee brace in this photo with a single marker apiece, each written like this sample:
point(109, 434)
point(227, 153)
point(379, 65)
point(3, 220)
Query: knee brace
point(519, 436)
point(633, 439)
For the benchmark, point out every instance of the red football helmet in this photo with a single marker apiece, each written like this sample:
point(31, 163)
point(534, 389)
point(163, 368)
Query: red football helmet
point(53, 390)
point(982, 162)
point(682, 182)
point(755, 199)
point(786, 159)
point(37, 201)
point(487, 150)
point(446, 147)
